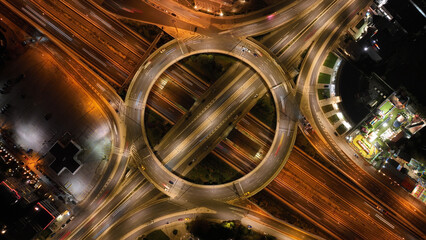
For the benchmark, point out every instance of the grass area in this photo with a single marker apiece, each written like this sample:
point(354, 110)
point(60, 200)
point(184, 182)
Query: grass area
point(147, 31)
point(341, 129)
point(302, 56)
point(208, 66)
point(260, 37)
point(212, 170)
point(380, 127)
point(382, 144)
point(155, 235)
point(324, 78)
point(386, 107)
point(333, 119)
point(394, 114)
point(156, 127)
point(264, 110)
point(327, 108)
point(323, 93)
point(330, 60)
point(208, 230)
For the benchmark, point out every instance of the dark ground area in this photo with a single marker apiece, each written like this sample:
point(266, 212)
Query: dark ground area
point(207, 230)
point(404, 59)
point(351, 85)
point(212, 170)
point(208, 67)
point(156, 127)
point(357, 90)
point(264, 110)
point(147, 31)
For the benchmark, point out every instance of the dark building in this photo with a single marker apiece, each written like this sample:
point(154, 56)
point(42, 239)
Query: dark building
point(64, 155)
point(408, 184)
point(23, 220)
point(392, 163)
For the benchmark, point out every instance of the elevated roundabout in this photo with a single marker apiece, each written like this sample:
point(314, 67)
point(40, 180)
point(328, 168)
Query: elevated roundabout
point(285, 132)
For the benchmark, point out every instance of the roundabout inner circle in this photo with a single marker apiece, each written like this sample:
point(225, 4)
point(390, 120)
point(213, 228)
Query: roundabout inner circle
point(151, 166)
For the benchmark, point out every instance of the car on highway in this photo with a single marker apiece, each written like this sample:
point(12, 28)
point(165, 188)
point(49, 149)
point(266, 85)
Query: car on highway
point(147, 64)
point(257, 53)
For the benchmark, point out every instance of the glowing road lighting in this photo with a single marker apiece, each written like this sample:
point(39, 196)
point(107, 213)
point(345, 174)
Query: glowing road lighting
point(195, 7)
point(221, 14)
point(339, 115)
point(36, 208)
point(3, 231)
point(365, 48)
point(347, 125)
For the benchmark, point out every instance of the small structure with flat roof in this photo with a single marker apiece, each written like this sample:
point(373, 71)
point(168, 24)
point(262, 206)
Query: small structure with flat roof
point(65, 157)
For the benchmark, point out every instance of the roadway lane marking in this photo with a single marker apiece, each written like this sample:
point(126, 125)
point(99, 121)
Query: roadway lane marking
point(384, 220)
point(93, 56)
point(34, 17)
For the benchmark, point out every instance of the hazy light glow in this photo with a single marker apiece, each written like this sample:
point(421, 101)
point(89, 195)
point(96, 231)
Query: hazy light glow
point(372, 137)
point(347, 125)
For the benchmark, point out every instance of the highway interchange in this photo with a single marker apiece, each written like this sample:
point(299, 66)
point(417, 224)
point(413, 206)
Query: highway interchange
point(295, 25)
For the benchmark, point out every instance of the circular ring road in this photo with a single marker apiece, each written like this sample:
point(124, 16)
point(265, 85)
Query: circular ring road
point(264, 65)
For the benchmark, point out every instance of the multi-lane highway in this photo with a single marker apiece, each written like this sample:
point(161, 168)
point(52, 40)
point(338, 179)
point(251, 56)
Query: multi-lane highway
point(99, 41)
point(345, 9)
point(408, 212)
point(105, 45)
point(211, 119)
point(164, 212)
